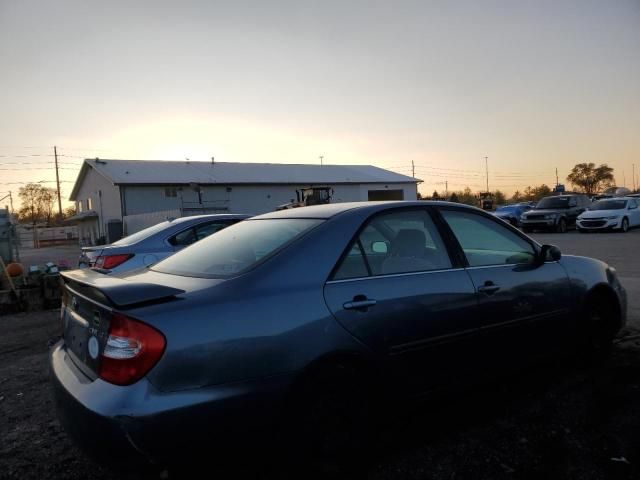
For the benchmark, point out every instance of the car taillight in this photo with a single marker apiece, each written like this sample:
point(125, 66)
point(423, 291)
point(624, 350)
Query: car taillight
point(132, 349)
point(112, 261)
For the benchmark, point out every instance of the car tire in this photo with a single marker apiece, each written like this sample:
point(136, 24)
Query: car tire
point(624, 228)
point(562, 226)
point(329, 414)
point(581, 230)
point(597, 337)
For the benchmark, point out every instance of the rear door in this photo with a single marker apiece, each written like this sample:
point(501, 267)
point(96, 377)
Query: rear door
point(398, 290)
point(523, 305)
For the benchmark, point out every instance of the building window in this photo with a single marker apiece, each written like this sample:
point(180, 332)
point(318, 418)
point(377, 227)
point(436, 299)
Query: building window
point(79, 206)
point(89, 204)
point(170, 192)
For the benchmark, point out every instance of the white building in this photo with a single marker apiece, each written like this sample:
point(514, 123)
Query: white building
point(110, 193)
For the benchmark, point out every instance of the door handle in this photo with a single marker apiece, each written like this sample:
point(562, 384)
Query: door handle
point(359, 302)
point(489, 288)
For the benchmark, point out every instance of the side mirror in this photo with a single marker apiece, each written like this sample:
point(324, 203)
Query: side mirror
point(550, 253)
point(379, 247)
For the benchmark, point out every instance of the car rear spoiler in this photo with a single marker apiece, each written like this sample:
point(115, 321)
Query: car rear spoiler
point(116, 291)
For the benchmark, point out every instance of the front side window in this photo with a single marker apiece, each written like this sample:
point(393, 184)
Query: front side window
point(397, 242)
point(486, 242)
point(236, 249)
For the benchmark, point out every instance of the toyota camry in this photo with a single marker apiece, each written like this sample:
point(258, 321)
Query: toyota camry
point(303, 318)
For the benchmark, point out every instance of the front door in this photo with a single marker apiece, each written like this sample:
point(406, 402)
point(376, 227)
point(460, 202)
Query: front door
point(523, 304)
point(398, 291)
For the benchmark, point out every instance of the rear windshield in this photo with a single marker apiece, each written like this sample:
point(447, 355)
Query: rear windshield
point(608, 205)
point(235, 249)
point(142, 234)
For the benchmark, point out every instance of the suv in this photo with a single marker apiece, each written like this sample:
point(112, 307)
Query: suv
point(555, 213)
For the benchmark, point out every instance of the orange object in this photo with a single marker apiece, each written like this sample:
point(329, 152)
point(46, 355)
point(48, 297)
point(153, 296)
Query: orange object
point(15, 269)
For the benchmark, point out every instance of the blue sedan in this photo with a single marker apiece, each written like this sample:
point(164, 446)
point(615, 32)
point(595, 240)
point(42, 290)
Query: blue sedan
point(308, 318)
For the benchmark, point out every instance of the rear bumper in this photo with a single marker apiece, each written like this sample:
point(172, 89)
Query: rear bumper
point(139, 424)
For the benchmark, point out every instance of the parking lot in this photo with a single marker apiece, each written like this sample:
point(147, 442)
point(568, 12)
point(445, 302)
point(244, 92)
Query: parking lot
point(556, 421)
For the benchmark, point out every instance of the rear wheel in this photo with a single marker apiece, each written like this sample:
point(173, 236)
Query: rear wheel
point(562, 226)
point(624, 228)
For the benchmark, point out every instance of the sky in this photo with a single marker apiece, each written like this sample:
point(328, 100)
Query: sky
point(532, 85)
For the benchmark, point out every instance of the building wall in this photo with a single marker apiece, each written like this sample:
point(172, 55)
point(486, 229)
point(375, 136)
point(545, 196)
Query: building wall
point(252, 199)
point(104, 199)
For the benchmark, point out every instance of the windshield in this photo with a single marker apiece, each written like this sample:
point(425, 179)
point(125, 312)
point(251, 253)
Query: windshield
point(142, 234)
point(553, 202)
point(609, 205)
point(235, 249)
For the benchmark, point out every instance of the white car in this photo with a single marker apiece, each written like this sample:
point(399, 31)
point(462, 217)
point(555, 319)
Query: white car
point(610, 214)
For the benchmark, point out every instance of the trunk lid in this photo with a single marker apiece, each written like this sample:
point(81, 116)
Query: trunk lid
point(90, 301)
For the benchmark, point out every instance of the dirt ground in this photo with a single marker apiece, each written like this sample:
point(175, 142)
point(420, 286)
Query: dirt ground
point(556, 421)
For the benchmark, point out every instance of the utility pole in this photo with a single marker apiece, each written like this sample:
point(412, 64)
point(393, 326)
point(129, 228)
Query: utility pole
point(557, 182)
point(55, 154)
point(11, 202)
point(321, 157)
point(486, 166)
point(633, 166)
point(446, 188)
point(413, 169)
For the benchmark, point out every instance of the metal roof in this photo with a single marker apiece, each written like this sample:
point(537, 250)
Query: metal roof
point(158, 172)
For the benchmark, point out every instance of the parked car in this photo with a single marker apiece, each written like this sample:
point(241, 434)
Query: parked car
point(152, 244)
point(304, 319)
point(610, 214)
point(556, 213)
point(512, 213)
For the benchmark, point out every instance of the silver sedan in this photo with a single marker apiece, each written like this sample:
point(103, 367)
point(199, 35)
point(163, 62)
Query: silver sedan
point(155, 243)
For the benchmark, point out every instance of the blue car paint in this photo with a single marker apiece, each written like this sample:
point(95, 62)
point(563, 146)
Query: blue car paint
point(236, 347)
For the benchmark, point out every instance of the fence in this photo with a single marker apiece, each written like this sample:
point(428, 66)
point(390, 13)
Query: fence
point(37, 237)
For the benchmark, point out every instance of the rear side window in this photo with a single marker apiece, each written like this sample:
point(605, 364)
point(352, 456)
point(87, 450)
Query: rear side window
point(235, 249)
point(398, 242)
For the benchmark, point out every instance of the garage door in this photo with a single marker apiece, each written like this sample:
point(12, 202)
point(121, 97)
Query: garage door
point(376, 195)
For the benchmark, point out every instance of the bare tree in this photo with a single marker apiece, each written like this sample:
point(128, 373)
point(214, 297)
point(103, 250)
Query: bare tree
point(591, 179)
point(37, 203)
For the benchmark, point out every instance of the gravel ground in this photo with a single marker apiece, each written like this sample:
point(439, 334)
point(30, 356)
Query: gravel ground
point(554, 421)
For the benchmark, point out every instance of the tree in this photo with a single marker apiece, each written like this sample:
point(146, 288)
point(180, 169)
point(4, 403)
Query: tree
point(69, 212)
point(435, 195)
point(536, 193)
point(517, 197)
point(467, 197)
point(454, 198)
point(591, 179)
point(499, 197)
point(37, 203)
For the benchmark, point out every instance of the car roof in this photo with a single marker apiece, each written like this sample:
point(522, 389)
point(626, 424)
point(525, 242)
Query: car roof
point(333, 209)
point(220, 216)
